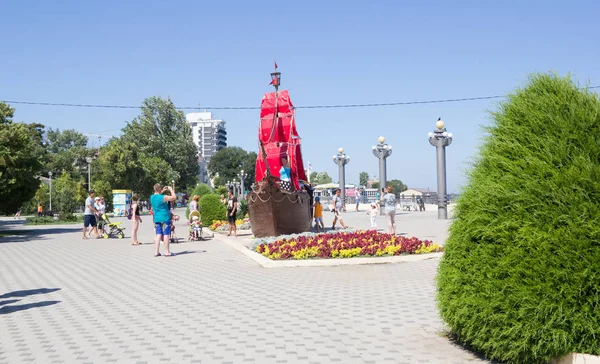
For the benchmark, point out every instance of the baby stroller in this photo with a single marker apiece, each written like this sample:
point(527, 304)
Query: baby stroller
point(195, 230)
point(111, 230)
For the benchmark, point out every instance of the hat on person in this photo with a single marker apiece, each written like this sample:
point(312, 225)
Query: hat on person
point(97, 198)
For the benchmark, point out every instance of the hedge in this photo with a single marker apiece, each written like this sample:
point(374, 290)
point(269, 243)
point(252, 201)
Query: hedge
point(211, 209)
point(520, 277)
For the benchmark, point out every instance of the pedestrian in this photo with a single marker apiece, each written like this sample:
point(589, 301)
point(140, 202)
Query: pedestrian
point(338, 206)
point(18, 214)
point(162, 217)
point(389, 201)
point(99, 215)
point(421, 203)
point(357, 194)
point(232, 206)
point(136, 219)
point(373, 212)
point(318, 215)
point(40, 209)
point(285, 174)
point(223, 200)
point(89, 216)
point(194, 205)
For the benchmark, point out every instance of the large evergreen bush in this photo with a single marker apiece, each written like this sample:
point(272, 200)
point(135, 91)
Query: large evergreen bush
point(520, 277)
point(211, 209)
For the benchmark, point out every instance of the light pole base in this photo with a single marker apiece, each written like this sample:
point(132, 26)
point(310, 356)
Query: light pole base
point(442, 213)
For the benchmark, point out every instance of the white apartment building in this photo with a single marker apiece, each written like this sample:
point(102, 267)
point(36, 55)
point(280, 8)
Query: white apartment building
point(209, 135)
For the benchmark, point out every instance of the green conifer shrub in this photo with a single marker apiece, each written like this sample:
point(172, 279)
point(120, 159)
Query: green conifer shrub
point(520, 276)
point(211, 209)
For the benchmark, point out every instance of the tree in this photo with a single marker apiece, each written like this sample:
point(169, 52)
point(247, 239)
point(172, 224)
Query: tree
point(398, 185)
point(375, 185)
point(123, 166)
point(66, 151)
point(103, 188)
point(228, 162)
point(68, 195)
point(519, 277)
point(161, 131)
point(320, 178)
point(20, 153)
point(6, 113)
point(363, 178)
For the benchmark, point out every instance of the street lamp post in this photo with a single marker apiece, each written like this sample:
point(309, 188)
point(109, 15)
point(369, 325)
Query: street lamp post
point(341, 160)
point(89, 163)
point(50, 175)
point(382, 151)
point(440, 139)
point(236, 184)
point(242, 176)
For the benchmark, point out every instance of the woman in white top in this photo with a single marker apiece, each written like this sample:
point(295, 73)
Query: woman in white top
point(389, 201)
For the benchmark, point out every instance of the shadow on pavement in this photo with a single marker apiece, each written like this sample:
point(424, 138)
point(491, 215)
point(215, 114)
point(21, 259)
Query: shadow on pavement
point(456, 342)
point(10, 309)
point(8, 302)
point(190, 252)
point(29, 292)
point(16, 231)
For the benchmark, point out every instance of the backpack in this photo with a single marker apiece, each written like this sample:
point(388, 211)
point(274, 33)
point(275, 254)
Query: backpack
point(129, 213)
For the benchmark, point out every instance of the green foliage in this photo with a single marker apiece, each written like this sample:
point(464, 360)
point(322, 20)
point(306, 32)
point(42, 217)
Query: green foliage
point(221, 190)
point(20, 153)
point(201, 189)
point(242, 207)
point(68, 195)
point(6, 113)
point(123, 166)
point(211, 209)
point(162, 136)
point(319, 178)
point(47, 220)
point(375, 185)
point(398, 185)
point(66, 151)
point(39, 220)
point(519, 278)
point(103, 188)
point(364, 178)
point(228, 162)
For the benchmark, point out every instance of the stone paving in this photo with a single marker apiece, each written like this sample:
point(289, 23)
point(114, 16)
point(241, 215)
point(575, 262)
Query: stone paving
point(67, 300)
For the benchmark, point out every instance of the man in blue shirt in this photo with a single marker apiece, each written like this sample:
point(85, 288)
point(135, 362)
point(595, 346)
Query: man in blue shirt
point(162, 217)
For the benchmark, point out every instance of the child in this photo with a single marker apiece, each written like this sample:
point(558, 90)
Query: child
point(196, 227)
point(373, 212)
point(318, 215)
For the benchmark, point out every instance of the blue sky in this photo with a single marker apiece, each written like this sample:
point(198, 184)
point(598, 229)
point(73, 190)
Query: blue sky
point(330, 52)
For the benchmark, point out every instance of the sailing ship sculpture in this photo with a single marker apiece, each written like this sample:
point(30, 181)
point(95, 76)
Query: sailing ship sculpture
point(277, 205)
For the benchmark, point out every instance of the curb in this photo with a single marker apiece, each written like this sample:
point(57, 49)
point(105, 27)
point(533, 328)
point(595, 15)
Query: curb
point(332, 262)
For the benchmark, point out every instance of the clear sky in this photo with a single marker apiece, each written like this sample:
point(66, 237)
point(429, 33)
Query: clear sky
point(220, 53)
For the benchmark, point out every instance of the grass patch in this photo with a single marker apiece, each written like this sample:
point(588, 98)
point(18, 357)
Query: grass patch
point(47, 220)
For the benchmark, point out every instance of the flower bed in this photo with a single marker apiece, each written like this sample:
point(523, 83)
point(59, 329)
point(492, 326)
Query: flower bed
point(223, 225)
point(344, 245)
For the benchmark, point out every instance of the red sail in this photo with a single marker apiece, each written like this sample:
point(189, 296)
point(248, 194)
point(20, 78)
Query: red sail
point(279, 137)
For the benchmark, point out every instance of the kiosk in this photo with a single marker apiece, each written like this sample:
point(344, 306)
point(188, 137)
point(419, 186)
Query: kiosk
point(121, 202)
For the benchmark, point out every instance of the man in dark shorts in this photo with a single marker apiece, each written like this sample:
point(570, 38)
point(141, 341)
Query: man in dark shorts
point(89, 216)
point(232, 206)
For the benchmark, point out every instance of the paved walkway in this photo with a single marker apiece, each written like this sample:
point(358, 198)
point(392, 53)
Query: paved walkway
point(67, 300)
